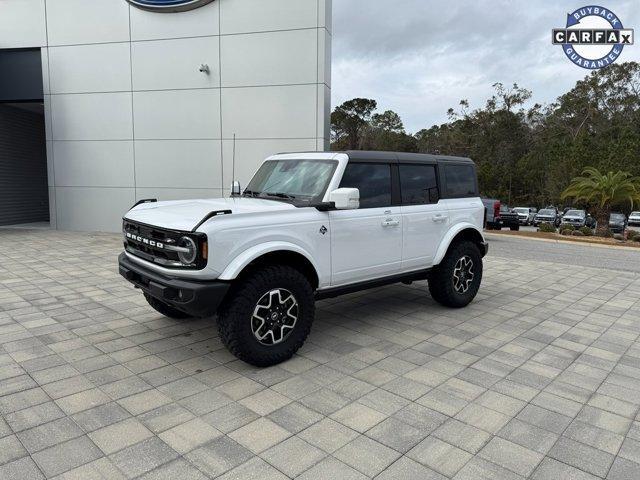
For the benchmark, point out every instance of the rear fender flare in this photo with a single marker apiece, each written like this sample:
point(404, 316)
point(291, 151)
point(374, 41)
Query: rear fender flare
point(449, 237)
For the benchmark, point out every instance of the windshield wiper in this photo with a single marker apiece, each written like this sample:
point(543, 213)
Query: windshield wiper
point(281, 195)
point(251, 193)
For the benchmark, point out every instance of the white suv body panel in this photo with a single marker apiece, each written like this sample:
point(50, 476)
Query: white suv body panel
point(365, 244)
point(184, 215)
point(463, 214)
point(356, 246)
point(423, 228)
point(235, 242)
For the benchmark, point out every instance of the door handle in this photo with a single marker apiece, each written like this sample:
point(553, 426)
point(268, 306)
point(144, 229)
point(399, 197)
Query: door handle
point(439, 218)
point(390, 222)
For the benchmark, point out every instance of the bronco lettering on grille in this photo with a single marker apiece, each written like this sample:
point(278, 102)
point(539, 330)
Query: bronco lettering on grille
point(145, 241)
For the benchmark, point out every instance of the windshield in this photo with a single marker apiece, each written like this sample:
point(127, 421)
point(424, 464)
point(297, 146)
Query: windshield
point(301, 181)
point(617, 217)
point(546, 212)
point(575, 213)
point(635, 214)
point(521, 210)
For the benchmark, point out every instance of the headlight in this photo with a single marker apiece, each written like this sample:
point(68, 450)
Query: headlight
point(188, 250)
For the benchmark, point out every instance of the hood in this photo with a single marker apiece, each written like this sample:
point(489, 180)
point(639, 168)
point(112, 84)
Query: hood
point(186, 214)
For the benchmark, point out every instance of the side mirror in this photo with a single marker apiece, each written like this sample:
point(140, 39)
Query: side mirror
point(345, 198)
point(236, 190)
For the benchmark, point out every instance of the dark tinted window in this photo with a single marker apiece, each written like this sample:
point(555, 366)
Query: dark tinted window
point(373, 180)
point(460, 180)
point(418, 184)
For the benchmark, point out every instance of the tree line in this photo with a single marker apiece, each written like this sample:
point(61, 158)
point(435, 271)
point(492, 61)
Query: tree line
point(525, 155)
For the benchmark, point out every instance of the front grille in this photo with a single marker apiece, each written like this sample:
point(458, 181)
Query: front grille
point(152, 244)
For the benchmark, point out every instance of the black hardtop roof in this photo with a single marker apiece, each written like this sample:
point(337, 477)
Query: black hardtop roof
point(392, 157)
point(396, 157)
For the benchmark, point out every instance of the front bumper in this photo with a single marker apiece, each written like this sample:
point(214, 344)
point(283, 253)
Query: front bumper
point(510, 222)
point(196, 298)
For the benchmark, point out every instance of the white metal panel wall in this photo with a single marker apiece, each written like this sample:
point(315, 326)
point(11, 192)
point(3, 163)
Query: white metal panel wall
point(129, 115)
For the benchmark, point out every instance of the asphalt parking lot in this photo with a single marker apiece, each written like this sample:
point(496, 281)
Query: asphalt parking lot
point(572, 254)
point(539, 378)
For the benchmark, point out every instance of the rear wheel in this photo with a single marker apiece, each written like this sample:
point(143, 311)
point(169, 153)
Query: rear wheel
point(269, 316)
point(166, 309)
point(455, 282)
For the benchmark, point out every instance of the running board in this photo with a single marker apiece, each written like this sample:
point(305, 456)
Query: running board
point(369, 284)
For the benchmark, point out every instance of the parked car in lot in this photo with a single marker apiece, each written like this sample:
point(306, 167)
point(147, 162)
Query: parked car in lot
point(526, 215)
point(634, 219)
point(500, 216)
point(308, 226)
point(575, 218)
point(617, 222)
point(546, 215)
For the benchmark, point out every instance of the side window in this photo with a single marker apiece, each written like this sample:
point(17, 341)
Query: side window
point(418, 184)
point(460, 180)
point(373, 180)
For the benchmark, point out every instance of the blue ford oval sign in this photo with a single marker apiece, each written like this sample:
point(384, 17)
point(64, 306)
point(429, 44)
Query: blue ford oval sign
point(168, 5)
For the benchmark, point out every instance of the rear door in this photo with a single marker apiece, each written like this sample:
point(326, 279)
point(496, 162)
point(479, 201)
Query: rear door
point(460, 190)
point(425, 217)
point(367, 243)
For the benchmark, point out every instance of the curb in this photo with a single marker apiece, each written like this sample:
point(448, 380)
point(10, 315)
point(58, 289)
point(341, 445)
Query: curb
point(570, 242)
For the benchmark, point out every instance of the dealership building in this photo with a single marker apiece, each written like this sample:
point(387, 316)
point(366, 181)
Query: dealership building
point(106, 102)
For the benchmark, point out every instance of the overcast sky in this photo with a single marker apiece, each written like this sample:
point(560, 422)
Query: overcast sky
point(420, 57)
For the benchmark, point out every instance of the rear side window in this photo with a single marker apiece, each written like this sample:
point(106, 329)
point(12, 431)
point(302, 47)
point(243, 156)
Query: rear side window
point(418, 184)
point(373, 180)
point(460, 181)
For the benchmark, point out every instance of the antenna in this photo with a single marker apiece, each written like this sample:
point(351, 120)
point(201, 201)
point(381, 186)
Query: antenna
point(233, 162)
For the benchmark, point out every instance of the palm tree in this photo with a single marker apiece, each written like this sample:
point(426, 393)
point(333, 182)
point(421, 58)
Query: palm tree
point(604, 191)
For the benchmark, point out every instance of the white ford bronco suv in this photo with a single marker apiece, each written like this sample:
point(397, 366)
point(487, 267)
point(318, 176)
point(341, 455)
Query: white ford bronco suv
point(308, 226)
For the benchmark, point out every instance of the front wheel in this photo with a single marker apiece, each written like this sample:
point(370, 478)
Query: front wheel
point(515, 228)
point(268, 316)
point(456, 281)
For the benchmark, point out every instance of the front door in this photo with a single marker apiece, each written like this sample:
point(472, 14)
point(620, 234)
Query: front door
point(366, 243)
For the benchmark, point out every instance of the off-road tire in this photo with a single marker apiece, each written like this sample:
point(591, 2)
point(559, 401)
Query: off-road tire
point(441, 279)
point(166, 309)
point(234, 317)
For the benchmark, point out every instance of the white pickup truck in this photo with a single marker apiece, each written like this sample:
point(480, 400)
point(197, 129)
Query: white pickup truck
point(308, 226)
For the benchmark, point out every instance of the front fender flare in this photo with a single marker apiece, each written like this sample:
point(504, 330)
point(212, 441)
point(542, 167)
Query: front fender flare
point(235, 267)
point(449, 236)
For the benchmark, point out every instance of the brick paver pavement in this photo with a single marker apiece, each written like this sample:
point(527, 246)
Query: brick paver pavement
point(539, 378)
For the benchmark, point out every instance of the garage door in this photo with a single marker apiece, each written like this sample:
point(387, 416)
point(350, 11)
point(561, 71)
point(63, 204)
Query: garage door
point(23, 159)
